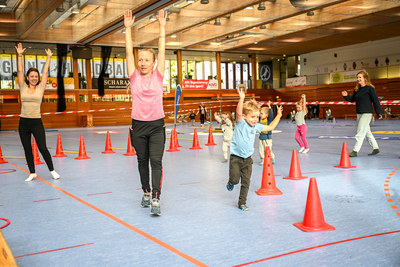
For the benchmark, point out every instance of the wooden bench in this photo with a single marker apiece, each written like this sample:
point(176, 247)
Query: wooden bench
point(354, 116)
point(350, 115)
point(6, 256)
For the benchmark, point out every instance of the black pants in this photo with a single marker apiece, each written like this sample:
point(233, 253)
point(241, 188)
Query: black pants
point(240, 170)
point(202, 118)
point(27, 128)
point(148, 139)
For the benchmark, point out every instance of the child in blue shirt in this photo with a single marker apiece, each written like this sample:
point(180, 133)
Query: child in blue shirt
point(242, 145)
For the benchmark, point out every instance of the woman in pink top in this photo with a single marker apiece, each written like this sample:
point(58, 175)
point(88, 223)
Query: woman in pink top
point(30, 122)
point(148, 127)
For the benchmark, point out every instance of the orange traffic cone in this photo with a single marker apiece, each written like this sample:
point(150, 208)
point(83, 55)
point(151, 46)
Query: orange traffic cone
point(130, 151)
point(295, 172)
point(59, 150)
point(313, 217)
point(210, 138)
point(35, 152)
point(268, 186)
point(1, 157)
point(345, 159)
point(108, 145)
point(82, 150)
point(196, 144)
point(176, 138)
point(172, 144)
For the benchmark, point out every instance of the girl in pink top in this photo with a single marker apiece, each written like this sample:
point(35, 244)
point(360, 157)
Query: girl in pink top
point(148, 127)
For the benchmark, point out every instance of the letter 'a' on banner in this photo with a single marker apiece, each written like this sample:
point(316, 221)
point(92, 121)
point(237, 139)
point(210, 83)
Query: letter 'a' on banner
point(178, 93)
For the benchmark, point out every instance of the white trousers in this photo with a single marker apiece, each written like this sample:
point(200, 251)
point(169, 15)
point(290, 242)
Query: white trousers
point(262, 144)
point(364, 131)
point(225, 146)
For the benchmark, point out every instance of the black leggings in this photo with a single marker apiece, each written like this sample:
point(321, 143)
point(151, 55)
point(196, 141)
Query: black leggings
point(202, 118)
point(148, 139)
point(26, 128)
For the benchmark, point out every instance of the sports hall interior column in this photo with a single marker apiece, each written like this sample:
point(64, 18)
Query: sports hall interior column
point(179, 61)
point(75, 72)
point(254, 70)
point(218, 56)
point(88, 73)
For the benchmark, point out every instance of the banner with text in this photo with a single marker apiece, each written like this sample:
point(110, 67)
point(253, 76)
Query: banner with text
point(344, 76)
point(200, 84)
point(296, 82)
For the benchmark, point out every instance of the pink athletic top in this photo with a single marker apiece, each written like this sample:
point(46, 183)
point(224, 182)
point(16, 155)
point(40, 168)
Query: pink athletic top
point(147, 96)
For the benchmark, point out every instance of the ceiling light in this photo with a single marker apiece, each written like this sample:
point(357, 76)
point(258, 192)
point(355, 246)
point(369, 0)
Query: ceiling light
point(255, 42)
point(262, 27)
point(191, 1)
point(310, 13)
point(261, 6)
point(217, 21)
point(249, 7)
point(75, 11)
point(3, 3)
point(173, 36)
point(204, 2)
point(153, 17)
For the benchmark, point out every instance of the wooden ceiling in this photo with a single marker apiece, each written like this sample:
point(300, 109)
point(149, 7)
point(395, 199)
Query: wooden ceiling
point(271, 29)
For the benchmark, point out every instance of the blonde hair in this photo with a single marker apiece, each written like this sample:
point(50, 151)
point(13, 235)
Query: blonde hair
point(299, 103)
point(265, 109)
point(151, 50)
point(251, 105)
point(366, 78)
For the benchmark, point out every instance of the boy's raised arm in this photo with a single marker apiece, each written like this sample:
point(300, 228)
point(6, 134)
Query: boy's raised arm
point(239, 108)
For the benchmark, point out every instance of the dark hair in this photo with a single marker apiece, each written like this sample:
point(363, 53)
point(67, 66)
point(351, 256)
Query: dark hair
point(28, 72)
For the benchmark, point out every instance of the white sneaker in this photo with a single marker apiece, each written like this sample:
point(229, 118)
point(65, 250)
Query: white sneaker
point(55, 175)
point(31, 177)
point(301, 149)
point(305, 151)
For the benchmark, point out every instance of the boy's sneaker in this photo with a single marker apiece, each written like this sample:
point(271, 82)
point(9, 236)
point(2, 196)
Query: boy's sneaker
point(229, 186)
point(155, 207)
point(374, 152)
point(305, 151)
point(301, 149)
point(244, 208)
point(146, 200)
point(225, 160)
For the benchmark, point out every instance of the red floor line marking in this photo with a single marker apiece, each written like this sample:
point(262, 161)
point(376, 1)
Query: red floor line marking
point(46, 199)
point(320, 246)
point(398, 214)
point(191, 183)
point(390, 200)
point(137, 230)
point(99, 193)
point(394, 207)
point(138, 188)
point(53, 250)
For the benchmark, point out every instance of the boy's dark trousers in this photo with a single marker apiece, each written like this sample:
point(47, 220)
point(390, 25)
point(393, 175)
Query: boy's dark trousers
point(240, 168)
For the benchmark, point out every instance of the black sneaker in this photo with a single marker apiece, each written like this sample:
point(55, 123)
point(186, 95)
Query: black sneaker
point(353, 154)
point(374, 152)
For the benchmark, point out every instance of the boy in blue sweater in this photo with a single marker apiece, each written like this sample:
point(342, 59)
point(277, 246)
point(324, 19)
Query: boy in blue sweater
point(242, 145)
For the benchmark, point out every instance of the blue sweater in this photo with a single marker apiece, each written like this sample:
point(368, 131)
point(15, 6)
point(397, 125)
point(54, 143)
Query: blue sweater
point(364, 98)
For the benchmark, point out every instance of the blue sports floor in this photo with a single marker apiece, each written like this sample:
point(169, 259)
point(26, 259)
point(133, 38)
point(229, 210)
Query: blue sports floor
point(92, 216)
